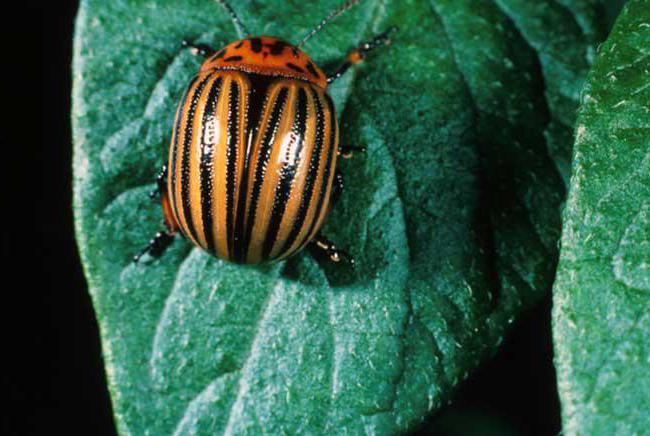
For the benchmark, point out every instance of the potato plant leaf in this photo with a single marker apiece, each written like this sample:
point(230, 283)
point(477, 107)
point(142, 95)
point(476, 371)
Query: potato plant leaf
point(602, 294)
point(452, 214)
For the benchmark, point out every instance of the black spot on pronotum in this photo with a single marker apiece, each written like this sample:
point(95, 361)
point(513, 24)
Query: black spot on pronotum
point(219, 54)
point(295, 67)
point(256, 45)
point(312, 70)
point(277, 47)
point(233, 59)
point(295, 52)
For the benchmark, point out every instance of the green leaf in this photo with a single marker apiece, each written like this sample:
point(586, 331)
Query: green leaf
point(602, 294)
point(452, 214)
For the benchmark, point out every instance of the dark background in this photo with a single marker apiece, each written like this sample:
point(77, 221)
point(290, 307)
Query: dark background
point(55, 379)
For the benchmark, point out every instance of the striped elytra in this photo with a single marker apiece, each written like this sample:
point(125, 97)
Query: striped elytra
point(255, 142)
point(252, 158)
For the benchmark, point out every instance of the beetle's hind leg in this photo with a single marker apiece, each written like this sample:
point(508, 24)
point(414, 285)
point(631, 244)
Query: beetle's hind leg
point(156, 246)
point(358, 54)
point(163, 239)
point(202, 50)
point(327, 247)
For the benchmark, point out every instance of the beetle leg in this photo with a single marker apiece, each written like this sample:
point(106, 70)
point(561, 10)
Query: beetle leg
point(159, 243)
point(202, 50)
point(358, 54)
point(156, 246)
point(339, 185)
point(161, 181)
point(326, 246)
point(347, 151)
point(339, 181)
point(168, 215)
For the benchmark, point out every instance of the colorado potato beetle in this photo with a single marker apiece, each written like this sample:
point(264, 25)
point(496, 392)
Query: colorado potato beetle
point(252, 166)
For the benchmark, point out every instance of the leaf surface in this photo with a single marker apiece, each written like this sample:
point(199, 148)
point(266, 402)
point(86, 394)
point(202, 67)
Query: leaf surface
point(452, 214)
point(602, 293)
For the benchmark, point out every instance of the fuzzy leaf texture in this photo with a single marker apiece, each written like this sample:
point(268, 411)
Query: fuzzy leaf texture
point(452, 214)
point(602, 294)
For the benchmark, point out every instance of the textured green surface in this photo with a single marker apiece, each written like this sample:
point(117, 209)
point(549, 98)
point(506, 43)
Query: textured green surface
point(602, 293)
point(466, 119)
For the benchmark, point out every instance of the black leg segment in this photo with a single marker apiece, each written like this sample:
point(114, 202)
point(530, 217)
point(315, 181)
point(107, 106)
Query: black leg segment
point(339, 185)
point(334, 254)
point(156, 246)
point(159, 243)
point(161, 181)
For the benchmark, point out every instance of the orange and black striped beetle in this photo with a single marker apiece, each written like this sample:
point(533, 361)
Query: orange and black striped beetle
point(252, 161)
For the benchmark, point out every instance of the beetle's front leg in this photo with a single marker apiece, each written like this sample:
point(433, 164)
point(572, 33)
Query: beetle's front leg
point(202, 50)
point(358, 54)
point(163, 239)
point(326, 246)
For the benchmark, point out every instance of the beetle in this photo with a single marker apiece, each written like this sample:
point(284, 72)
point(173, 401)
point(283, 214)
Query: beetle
point(252, 167)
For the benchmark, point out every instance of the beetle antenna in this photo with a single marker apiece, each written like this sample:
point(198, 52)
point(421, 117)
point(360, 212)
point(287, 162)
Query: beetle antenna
point(335, 13)
point(239, 26)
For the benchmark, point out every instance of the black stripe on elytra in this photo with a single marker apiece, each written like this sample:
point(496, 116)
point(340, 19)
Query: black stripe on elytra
point(266, 147)
point(328, 165)
point(257, 101)
point(295, 67)
point(312, 173)
point(312, 69)
point(287, 174)
point(239, 44)
point(207, 163)
point(232, 154)
point(185, 162)
point(233, 59)
point(175, 146)
point(256, 45)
